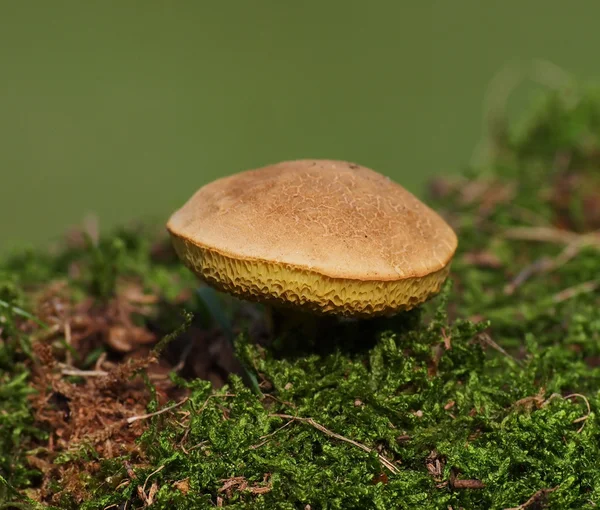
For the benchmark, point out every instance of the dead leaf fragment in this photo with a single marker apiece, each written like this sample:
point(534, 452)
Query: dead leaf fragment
point(124, 339)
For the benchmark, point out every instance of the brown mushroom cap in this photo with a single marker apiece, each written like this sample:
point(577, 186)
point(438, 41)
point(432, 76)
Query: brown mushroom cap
point(327, 236)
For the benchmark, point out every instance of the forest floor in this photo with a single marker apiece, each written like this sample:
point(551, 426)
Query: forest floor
point(124, 383)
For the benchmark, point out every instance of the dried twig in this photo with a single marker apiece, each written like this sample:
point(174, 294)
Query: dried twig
point(447, 339)
point(487, 339)
point(187, 430)
point(536, 498)
point(387, 463)
point(264, 439)
point(582, 419)
point(536, 267)
point(161, 411)
point(183, 358)
point(68, 341)
point(149, 499)
point(552, 235)
point(214, 396)
point(576, 290)
point(547, 264)
point(83, 373)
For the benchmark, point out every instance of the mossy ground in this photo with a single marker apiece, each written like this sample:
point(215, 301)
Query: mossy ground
point(486, 397)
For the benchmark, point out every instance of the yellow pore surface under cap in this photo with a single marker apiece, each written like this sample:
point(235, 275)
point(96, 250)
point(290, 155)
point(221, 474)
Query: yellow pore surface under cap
point(284, 284)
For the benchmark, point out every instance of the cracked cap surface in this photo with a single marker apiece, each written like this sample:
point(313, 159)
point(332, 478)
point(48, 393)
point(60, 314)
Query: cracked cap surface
point(328, 236)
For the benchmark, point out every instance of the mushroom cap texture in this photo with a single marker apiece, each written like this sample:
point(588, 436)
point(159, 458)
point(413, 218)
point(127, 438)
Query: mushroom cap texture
point(327, 236)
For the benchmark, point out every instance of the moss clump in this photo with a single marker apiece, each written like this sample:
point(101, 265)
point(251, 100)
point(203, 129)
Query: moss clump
point(486, 397)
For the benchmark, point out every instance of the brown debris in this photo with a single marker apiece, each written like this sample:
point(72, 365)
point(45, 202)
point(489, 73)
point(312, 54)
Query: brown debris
point(485, 192)
point(535, 401)
point(483, 259)
point(538, 401)
point(380, 478)
point(435, 464)
point(146, 496)
point(456, 483)
point(240, 484)
point(83, 413)
point(438, 352)
point(102, 404)
point(125, 339)
point(580, 187)
point(182, 485)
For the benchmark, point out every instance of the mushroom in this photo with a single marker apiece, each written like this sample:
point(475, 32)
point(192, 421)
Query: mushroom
point(322, 236)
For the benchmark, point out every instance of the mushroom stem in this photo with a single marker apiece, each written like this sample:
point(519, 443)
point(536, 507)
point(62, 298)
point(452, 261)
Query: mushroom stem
point(285, 321)
point(305, 329)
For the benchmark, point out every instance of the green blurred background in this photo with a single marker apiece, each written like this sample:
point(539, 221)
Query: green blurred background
point(123, 109)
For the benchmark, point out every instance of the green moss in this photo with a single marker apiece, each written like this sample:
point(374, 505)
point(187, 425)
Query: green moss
point(489, 382)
